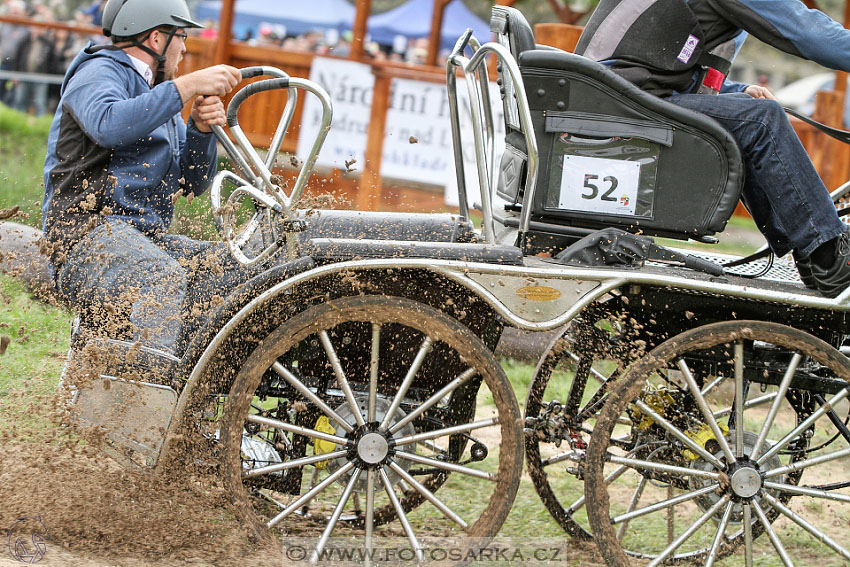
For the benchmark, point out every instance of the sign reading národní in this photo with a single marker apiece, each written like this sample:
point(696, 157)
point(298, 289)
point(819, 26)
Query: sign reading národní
point(417, 140)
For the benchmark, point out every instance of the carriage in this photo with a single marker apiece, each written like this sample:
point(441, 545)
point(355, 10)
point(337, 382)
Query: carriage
point(692, 406)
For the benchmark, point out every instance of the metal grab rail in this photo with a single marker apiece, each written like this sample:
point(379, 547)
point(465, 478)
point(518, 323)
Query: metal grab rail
point(274, 216)
point(477, 82)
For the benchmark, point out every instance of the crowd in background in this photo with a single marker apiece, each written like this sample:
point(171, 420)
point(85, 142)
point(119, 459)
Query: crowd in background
point(330, 42)
point(38, 50)
point(32, 50)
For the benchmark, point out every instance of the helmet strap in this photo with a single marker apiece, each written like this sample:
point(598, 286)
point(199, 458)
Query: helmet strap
point(159, 58)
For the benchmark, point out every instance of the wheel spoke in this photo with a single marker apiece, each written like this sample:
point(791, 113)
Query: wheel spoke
point(340, 377)
point(312, 459)
point(297, 429)
point(373, 371)
point(690, 531)
point(429, 495)
point(343, 500)
point(560, 457)
point(419, 437)
point(748, 404)
point(293, 381)
point(806, 491)
point(668, 503)
point(309, 495)
point(445, 391)
point(774, 539)
point(370, 513)
point(748, 536)
point(800, 521)
point(661, 467)
point(420, 556)
point(446, 466)
point(719, 535)
point(671, 526)
point(621, 531)
point(805, 463)
point(711, 386)
point(424, 349)
point(707, 414)
point(675, 432)
point(740, 396)
point(578, 504)
point(794, 433)
point(774, 408)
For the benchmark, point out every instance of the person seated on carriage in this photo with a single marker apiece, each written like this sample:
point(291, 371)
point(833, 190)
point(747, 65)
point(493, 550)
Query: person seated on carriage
point(119, 155)
point(681, 50)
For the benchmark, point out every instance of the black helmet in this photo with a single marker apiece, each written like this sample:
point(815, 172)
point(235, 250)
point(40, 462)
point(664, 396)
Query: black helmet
point(130, 18)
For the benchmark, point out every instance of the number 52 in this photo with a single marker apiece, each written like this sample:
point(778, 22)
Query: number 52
point(594, 189)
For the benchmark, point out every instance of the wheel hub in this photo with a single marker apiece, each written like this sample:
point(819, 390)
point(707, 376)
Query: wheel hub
point(745, 482)
point(372, 448)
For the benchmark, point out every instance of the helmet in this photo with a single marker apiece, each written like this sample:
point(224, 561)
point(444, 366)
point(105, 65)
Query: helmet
point(129, 18)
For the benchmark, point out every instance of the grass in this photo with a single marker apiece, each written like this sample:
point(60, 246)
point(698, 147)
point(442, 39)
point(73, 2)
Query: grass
point(38, 336)
point(23, 145)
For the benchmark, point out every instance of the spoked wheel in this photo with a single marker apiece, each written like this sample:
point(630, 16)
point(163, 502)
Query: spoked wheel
point(567, 391)
point(725, 433)
point(367, 410)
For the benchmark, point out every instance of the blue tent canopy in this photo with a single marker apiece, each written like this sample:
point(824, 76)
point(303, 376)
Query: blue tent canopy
point(413, 20)
point(298, 16)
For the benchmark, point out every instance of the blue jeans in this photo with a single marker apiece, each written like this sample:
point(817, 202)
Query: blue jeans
point(153, 289)
point(782, 190)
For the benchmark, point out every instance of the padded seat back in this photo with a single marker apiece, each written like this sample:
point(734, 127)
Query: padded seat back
point(613, 155)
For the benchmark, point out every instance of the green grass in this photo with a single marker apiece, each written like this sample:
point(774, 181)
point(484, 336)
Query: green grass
point(23, 145)
point(38, 335)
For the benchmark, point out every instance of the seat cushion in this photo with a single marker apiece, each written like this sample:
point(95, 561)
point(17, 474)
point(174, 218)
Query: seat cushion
point(698, 167)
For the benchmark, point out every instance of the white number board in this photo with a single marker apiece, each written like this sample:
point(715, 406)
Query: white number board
point(599, 185)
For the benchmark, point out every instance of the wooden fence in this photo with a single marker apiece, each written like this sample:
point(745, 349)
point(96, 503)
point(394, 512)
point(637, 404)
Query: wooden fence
point(365, 189)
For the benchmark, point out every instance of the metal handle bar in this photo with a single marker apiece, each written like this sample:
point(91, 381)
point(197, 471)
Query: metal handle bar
point(235, 154)
point(269, 198)
point(480, 104)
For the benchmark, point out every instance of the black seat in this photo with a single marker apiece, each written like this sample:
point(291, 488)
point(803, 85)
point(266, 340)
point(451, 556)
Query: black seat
point(611, 154)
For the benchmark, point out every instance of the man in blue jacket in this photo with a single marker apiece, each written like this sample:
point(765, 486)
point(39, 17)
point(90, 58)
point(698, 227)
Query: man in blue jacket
point(119, 155)
point(682, 50)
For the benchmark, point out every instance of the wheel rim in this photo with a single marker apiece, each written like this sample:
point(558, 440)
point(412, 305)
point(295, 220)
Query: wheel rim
point(386, 410)
point(697, 487)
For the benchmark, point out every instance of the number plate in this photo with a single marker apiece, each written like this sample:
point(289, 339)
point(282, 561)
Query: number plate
point(599, 185)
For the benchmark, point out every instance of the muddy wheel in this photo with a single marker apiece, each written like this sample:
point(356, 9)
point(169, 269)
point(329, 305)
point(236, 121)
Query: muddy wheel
point(566, 393)
point(368, 410)
point(694, 485)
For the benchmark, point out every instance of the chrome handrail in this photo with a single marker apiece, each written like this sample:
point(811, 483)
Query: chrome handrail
point(273, 202)
point(477, 81)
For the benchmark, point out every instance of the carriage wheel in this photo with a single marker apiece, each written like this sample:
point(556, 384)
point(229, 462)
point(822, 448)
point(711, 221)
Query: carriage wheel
point(693, 485)
point(355, 412)
point(566, 393)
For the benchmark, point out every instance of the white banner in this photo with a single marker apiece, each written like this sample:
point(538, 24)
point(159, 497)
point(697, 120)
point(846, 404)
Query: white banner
point(350, 86)
point(417, 139)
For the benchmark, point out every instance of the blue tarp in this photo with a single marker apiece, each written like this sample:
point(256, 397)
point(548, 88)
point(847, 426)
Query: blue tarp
point(413, 20)
point(299, 16)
